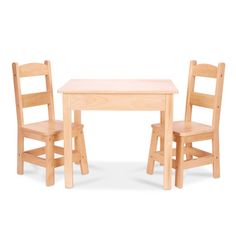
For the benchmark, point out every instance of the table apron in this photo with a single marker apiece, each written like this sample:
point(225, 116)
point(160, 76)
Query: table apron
point(141, 102)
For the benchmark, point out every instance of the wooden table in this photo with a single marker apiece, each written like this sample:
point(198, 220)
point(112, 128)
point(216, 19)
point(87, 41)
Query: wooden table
point(101, 94)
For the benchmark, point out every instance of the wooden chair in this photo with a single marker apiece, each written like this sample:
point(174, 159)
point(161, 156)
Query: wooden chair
point(186, 132)
point(47, 131)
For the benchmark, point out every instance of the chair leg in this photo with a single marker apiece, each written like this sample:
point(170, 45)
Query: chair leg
point(50, 176)
point(179, 162)
point(216, 154)
point(153, 147)
point(78, 157)
point(20, 151)
point(82, 149)
point(189, 157)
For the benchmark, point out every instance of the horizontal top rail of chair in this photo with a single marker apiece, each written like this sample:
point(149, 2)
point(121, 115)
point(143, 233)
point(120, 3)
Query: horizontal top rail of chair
point(35, 99)
point(121, 86)
point(205, 70)
point(33, 69)
point(203, 100)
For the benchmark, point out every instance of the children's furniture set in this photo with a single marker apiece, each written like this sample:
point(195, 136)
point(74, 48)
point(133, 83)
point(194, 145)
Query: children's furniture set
point(141, 95)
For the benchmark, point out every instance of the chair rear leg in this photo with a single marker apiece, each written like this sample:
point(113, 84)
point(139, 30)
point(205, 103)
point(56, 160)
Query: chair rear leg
point(189, 157)
point(179, 162)
point(20, 151)
point(153, 147)
point(77, 159)
point(50, 175)
point(216, 156)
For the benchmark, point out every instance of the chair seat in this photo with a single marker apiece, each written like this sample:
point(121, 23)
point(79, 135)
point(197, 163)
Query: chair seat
point(47, 128)
point(183, 128)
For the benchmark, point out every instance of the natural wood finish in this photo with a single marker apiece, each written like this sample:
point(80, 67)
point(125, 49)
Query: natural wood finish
point(179, 162)
point(216, 155)
point(190, 128)
point(186, 132)
point(48, 76)
point(59, 161)
point(46, 128)
point(198, 162)
point(117, 95)
point(205, 70)
point(168, 117)
point(190, 90)
point(59, 150)
point(33, 69)
point(20, 151)
point(80, 149)
point(157, 156)
point(202, 100)
point(189, 156)
point(196, 152)
point(77, 121)
point(118, 86)
point(27, 157)
point(50, 161)
point(143, 102)
point(68, 164)
point(153, 145)
point(82, 154)
point(36, 151)
point(162, 121)
point(216, 121)
point(35, 99)
point(198, 137)
point(47, 131)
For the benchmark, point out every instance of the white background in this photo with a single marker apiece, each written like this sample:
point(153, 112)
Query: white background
point(117, 39)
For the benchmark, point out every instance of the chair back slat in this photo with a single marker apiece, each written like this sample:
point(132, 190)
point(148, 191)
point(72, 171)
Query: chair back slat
point(35, 99)
point(205, 70)
point(33, 69)
point(202, 100)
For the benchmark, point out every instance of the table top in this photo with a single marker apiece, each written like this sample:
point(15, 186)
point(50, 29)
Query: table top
point(135, 86)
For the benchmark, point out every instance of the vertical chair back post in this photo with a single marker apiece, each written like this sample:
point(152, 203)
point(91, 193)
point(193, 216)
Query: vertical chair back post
point(218, 92)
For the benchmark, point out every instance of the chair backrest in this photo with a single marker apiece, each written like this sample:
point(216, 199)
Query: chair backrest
point(33, 99)
point(201, 99)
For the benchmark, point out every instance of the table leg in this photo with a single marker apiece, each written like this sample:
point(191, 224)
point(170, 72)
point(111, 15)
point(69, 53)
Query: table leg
point(168, 122)
point(68, 162)
point(162, 121)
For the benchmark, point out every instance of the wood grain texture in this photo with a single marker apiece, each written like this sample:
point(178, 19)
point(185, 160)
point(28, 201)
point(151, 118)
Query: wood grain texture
point(50, 176)
point(33, 69)
point(47, 131)
point(168, 117)
point(202, 100)
point(118, 95)
point(186, 132)
point(106, 86)
point(152, 149)
point(68, 161)
point(35, 99)
point(205, 70)
point(182, 128)
point(179, 162)
point(143, 102)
